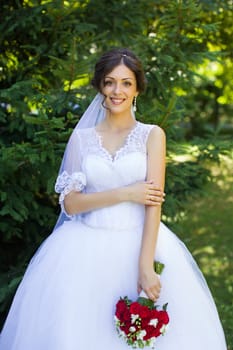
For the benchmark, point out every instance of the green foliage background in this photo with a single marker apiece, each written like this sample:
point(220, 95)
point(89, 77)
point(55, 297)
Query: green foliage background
point(48, 50)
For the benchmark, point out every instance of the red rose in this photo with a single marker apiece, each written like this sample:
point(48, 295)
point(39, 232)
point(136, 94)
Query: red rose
point(126, 316)
point(134, 308)
point(144, 311)
point(121, 307)
point(151, 332)
point(154, 314)
point(163, 316)
point(125, 328)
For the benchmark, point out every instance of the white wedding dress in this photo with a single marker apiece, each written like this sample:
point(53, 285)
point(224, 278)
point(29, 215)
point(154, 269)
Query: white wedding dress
point(67, 298)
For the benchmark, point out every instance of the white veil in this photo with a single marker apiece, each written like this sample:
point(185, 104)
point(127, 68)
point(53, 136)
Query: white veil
point(93, 115)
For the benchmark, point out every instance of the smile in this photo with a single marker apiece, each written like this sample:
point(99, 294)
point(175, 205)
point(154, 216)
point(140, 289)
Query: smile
point(117, 101)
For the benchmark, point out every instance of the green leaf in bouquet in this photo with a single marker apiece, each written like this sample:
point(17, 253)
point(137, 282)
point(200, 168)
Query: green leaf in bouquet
point(146, 302)
point(127, 300)
point(158, 267)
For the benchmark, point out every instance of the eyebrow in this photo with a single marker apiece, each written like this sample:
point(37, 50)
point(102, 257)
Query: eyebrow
point(121, 79)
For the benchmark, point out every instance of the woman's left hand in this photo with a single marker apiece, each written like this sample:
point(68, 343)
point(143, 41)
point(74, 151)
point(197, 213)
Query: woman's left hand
point(149, 282)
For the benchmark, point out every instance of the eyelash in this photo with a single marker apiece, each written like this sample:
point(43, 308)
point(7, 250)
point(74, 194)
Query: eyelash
point(109, 83)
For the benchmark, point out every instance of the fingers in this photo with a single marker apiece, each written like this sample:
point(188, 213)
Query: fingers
point(139, 288)
point(146, 193)
point(156, 197)
point(153, 293)
point(154, 296)
point(152, 185)
point(153, 190)
point(152, 198)
point(156, 193)
point(151, 289)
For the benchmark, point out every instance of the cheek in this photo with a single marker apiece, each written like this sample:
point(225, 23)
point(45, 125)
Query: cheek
point(106, 90)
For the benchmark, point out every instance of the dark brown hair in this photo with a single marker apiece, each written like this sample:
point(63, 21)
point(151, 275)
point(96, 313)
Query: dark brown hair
point(109, 60)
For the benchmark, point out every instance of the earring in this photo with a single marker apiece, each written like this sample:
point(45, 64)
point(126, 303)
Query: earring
point(135, 103)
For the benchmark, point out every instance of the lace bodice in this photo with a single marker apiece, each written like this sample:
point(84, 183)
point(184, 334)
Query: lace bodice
point(98, 170)
point(135, 141)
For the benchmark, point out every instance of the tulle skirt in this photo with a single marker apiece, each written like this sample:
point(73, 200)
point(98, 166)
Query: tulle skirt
point(66, 300)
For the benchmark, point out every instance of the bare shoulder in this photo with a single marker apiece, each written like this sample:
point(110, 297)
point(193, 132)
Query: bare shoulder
point(156, 155)
point(156, 135)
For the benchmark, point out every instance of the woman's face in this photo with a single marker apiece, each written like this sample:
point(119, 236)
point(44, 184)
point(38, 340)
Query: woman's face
point(119, 87)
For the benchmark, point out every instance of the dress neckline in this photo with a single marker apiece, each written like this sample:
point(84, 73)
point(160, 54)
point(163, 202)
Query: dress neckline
point(114, 156)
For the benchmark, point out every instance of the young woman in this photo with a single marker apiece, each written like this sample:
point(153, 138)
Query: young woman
point(111, 185)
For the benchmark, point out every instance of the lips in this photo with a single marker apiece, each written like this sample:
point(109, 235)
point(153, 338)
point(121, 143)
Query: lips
point(117, 101)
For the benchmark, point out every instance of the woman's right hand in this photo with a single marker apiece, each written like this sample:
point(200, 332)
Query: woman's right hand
point(146, 193)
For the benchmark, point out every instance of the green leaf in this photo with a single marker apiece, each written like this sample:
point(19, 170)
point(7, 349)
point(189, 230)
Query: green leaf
point(145, 302)
point(158, 267)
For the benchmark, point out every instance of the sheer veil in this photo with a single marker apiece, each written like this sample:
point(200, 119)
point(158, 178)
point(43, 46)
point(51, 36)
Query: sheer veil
point(93, 115)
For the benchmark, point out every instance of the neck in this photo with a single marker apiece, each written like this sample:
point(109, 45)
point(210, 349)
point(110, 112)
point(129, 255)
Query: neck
point(119, 122)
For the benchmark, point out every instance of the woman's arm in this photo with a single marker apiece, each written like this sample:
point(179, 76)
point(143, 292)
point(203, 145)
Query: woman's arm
point(148, 280)
point(146, 193)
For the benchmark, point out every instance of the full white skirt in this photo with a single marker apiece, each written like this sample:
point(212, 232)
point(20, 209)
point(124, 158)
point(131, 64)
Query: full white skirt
point(66, 300)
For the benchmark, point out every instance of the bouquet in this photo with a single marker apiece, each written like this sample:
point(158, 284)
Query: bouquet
point(140, 322)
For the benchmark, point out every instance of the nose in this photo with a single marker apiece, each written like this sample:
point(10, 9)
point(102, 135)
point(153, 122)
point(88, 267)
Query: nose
point(117, 88)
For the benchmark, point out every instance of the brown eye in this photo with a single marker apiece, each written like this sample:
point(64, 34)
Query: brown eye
point(107, 83)
point(127, 83)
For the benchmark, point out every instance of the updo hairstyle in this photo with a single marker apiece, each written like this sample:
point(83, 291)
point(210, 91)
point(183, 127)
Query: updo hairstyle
point(114, 58)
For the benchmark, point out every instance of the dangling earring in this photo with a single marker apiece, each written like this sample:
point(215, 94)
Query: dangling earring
point(135, 103)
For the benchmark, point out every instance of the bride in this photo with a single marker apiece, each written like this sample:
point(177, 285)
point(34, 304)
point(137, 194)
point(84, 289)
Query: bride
point(108, 235)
